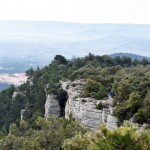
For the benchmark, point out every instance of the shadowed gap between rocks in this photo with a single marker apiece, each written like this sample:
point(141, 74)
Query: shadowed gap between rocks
point(62, 98)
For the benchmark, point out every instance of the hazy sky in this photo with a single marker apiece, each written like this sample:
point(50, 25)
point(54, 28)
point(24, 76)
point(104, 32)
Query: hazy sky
point(85, 11)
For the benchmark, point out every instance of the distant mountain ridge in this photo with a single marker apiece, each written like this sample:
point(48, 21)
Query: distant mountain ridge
point(133, 56)
point(25, 44)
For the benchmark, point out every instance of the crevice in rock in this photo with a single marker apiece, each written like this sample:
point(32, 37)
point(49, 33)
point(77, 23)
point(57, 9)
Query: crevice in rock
point(62, 98)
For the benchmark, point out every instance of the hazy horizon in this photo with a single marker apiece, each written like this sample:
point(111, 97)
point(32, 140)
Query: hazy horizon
point(25, 44)
point(82, 11)
point(64, 37)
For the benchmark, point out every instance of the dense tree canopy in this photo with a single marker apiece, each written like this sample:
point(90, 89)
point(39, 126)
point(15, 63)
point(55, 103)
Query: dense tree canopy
point(127, 137)
point(128, 79)
point(41, 135)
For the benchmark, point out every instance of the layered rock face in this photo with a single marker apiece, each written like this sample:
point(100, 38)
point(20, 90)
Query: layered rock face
point(52, 106)
point(84, 109)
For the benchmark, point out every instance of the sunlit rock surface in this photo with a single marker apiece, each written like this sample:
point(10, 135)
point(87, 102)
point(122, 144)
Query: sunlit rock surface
point(52, 106)
point(84, 109)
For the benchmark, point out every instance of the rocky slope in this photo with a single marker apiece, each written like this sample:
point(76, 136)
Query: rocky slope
point(82, 109)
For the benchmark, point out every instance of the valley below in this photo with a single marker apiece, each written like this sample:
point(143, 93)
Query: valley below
point(15, 79)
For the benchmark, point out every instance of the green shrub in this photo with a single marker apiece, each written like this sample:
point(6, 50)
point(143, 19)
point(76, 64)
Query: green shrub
point(99, 106)
point(94, 89)
point(46, 134)
point(52, 91)
point(127, 137)
point(141, 116)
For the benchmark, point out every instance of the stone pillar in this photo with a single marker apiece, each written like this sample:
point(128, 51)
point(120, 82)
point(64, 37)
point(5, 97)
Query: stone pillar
point(22, 113)
point(52, 106)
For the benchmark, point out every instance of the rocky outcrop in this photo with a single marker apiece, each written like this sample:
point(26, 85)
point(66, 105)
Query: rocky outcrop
point(84, 109)
point(52, 106)
point(22, 114)
point(16, 93)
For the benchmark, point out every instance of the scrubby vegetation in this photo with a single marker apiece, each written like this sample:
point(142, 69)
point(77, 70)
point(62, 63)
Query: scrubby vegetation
point(128, 79)
point(40, 135)
point(127, 137)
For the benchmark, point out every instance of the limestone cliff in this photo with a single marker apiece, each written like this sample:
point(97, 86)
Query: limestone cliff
point(84, 109)
point(52, 106)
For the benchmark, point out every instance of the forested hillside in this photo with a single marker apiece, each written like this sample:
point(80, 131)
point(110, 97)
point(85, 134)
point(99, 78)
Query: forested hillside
point(128, 79)
point(133, 56)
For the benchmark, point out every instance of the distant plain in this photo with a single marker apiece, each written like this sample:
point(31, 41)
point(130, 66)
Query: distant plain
point(25, 44)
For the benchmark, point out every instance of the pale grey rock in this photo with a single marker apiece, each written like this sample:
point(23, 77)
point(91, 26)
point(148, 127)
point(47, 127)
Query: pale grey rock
point(30, 81)
point(52, 106)
point(111, 122)
point(84, 109)
point(15, 94)
point(131, 119)
point(46, 87)
point(146, 125)
point(22, 113)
